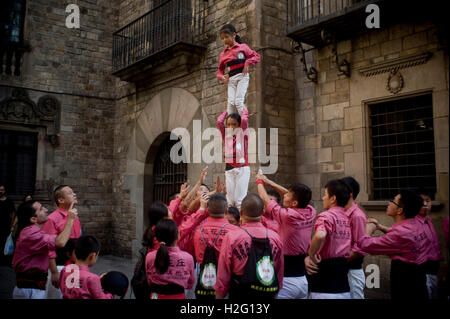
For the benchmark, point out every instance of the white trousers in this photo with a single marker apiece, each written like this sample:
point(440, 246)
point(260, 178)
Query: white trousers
point(432, 286)
point(237, 88)
point(28, 293)
point(356, 281)
point(320, 295)
point(237, 180)
point(294, 288)
point(52, 292)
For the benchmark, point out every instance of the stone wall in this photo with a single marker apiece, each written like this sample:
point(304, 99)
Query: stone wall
point(332, 124)
point(73, 66)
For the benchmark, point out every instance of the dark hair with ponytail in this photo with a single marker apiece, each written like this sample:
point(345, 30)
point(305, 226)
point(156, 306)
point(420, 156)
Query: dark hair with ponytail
point(166, 232)
point(230, 29)
point(156, 212)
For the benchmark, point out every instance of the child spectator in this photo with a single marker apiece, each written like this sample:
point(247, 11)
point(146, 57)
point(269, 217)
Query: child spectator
point(169, 270)
point(76, 281)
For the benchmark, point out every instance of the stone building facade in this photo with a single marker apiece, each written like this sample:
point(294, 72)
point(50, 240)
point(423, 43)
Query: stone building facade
point(105, 134)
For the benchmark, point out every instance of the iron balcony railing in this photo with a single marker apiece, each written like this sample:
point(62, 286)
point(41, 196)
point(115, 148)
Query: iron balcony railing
point(168, 23)
point(301, 13)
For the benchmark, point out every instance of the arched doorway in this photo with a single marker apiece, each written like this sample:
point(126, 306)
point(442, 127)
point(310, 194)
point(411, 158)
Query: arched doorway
point(167, 176)
point(163, 177)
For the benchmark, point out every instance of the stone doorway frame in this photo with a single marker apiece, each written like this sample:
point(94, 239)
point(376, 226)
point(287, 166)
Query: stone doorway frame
point(169, 109)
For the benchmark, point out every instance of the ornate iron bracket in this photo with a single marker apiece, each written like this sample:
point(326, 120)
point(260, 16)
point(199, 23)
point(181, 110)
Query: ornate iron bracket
point(311, 73)
point(330, 38)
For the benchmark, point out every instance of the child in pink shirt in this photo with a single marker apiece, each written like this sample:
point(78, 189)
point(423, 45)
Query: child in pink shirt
point(169, 269)
point(296, 221)
point(238, 57)
point(326, 263)
point(76, 281)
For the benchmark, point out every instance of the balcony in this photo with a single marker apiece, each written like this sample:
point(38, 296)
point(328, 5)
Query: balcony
point(307, 19)
point(169, 39)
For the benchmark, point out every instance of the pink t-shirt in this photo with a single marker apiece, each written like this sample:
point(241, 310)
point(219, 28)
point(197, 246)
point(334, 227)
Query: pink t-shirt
point(56, 223)
point(236, 148)
point(88, 286)
point(32, 250)
point(358, 226)
point(432, 249)
point(229, 54)
point(404, 241)
point(234, 254)
point(210, 229)
point(180, 271)
point(296, 225)
point(336, 224)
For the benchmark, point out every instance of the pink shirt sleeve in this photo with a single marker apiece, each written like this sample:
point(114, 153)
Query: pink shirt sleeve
point(389, 244)
point(224, 268)
point(95, 288)
point(192, 221)
point(50, 228)
point(323, 223)
point(252, 56)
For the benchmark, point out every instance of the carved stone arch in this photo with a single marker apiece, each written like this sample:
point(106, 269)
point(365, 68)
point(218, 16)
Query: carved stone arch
point(169, 109)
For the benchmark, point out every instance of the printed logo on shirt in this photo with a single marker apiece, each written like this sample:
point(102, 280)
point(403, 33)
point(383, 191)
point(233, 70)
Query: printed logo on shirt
point(265, 271)
point(241, 55)
point(208, 276)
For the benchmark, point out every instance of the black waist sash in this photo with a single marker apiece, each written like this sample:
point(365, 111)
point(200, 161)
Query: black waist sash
point(169, 289)
point(408, 281)
point(294, 265)
point(34, 279)
point(228, 167)
point(331, 277)
point(356, 263)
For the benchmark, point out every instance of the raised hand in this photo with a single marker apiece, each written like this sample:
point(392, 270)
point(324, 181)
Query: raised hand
point(184, 190)
point(73, 212)
point(203, 175)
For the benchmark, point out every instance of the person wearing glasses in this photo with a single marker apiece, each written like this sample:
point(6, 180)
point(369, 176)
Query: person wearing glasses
point(404, 242)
